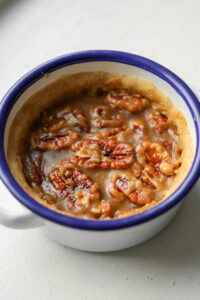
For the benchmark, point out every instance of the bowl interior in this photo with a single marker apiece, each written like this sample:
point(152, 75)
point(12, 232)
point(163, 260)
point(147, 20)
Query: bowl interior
point(112, 67)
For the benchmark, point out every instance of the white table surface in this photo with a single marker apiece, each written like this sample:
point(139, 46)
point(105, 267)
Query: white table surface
point(165, 267)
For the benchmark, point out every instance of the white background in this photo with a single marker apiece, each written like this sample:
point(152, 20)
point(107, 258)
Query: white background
point(167, 266)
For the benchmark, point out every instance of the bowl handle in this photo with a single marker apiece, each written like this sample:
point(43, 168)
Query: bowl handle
point(15, 215)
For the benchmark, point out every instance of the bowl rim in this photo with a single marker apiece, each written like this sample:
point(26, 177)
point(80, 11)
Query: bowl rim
point(91, 56)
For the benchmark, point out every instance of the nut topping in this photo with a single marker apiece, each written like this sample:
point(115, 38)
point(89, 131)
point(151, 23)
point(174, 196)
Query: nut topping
point(100, 154)
point(133, 103)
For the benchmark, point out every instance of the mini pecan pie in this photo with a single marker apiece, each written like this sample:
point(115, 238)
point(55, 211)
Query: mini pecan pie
point(102, 148)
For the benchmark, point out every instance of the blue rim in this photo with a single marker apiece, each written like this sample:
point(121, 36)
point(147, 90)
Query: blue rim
point(88, 56)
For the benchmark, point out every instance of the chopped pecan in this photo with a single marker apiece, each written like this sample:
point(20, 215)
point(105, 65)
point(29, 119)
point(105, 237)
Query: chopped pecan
point(126, 184)
point(55, 142)
point(106, 116)
point(155, 155)
point(101, 154)
point(74, 187)
point(157, 120)
point(133, 103)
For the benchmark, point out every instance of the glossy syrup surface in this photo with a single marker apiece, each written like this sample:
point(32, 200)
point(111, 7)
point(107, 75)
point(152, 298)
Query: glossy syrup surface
point(102, 156)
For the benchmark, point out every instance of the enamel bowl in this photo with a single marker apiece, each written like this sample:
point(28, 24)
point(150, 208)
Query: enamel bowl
point(90, 235)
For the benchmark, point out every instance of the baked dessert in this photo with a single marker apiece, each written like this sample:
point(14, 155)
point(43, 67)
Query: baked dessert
point(99, 146)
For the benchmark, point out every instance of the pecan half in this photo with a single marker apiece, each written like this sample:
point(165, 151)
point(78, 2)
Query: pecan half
point(155, 155)
point(133, 103)
point(55, 142)
point(106, 116)
point(125, 184)
point(31, 169)
point(74, 187)
point(101, 154)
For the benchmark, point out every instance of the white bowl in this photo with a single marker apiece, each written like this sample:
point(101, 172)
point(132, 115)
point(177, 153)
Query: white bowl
point(92, 235)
